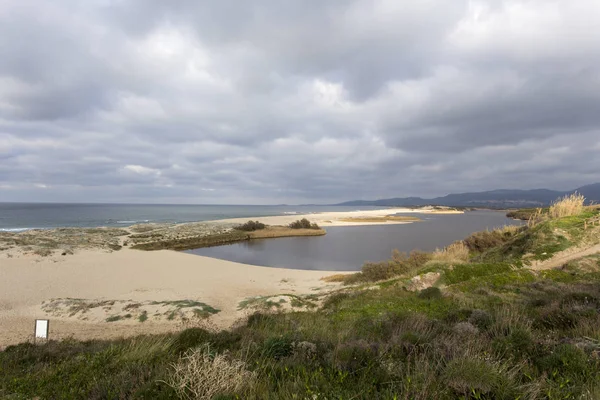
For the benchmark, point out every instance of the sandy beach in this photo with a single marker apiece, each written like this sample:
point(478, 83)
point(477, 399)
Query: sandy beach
point(133, 277)
point(336, 218)
point(99, 293)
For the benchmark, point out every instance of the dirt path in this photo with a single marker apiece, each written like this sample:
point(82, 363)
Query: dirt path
point(564, 257)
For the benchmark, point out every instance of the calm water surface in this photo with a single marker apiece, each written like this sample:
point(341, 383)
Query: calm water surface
point(347, 248)
point(16, 217)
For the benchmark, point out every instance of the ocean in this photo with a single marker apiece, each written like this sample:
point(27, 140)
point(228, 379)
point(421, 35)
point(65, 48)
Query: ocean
point(16, 217)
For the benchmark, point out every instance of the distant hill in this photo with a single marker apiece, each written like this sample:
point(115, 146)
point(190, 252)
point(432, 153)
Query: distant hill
point(503, 198)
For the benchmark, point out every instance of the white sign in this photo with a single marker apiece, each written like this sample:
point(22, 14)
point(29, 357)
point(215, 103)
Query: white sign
point(41, 328)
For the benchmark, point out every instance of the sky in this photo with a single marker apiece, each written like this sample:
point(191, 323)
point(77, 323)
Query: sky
point(307, 101)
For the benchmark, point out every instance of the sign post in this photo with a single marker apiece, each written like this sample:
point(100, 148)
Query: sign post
point(41, 329)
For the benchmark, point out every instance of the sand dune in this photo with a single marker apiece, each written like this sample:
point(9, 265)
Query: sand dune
point(130, 277)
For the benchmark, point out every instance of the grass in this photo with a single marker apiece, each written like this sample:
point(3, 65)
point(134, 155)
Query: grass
point(372, 343)
point(219, 239)
point(567, 206)
point(193, 242)
point(283, 231)
point(492, 330)
point(456, 252)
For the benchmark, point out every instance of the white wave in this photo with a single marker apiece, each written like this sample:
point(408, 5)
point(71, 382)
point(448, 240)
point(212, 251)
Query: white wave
point(290, 212)
point(16, 229)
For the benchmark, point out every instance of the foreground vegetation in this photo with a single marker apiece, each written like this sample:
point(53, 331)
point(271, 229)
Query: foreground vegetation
point(484, 326)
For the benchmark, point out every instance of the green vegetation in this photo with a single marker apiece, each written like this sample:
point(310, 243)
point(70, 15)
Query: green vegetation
point(303, 224)
point(488, 327)
point(193, 242)
point(248, 231)
point(251, 226)
point(525, 214)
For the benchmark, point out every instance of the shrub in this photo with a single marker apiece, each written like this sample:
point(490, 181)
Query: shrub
point(430, 293)
point(198, 374)
point(567, 206)
point(251, 226)
point(379, 271)
point(456, 252)
point(352, 356)
point(192, 337)
point(519, 343)
point(399, 264)
point(303, 224)
point(278, 347)
point(556, 319)
point(566, 359)
point(475, 378)
point(481, 319)
point(465, 328)
point(485, 240)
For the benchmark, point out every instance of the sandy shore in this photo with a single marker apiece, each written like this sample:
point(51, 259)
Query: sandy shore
point(137, 279)
point(99, 293)
point(336, 218)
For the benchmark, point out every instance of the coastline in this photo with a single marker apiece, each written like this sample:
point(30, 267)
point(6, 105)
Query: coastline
point(335, 218)
point(95, 286)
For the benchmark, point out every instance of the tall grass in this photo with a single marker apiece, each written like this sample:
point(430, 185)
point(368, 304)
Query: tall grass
point(457, 252)
point(567, 206)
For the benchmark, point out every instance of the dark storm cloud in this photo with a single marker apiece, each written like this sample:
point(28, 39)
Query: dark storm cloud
point(289, 101)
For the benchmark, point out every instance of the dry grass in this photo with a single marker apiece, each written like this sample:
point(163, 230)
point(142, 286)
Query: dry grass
point(388, 218)
point(199, 374)
point(509, 230)
point(284, 231)
point(334, 278)
point(535, 218)
point(567, 206)
point(457, 252)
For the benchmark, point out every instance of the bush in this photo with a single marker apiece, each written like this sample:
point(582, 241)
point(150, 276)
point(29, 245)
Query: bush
point(199, 374)
point(557, 319)
point(192, 337)
point(372, 272)
point(478, 379)
point(278, 347)
point(456, 252)
point(481, 319)
point(303, 224)
point(519, 343)
point(399, 264)
point(485, 240)
point(251, 226)
point(430, 293)
point(356, 355)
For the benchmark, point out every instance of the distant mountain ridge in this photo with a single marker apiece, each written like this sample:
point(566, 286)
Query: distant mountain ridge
point(501, 198)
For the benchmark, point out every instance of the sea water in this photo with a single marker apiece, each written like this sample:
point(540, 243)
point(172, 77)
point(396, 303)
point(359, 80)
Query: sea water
point(22, 216)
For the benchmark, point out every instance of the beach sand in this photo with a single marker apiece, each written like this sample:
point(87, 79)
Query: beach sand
point(150, 292)
point(325, 219)
point(132, 277)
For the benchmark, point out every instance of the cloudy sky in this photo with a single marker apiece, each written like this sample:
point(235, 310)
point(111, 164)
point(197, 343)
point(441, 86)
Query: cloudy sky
point(244, 102)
